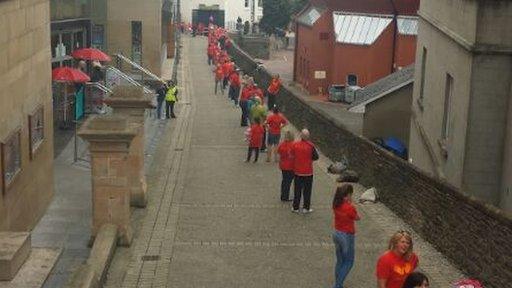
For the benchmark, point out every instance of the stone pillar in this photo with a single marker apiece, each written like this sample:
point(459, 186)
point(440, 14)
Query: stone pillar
point(109, 140)
point(131, 102)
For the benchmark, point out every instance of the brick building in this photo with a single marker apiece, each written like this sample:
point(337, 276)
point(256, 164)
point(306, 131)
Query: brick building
point(462, 113)
point(26, 129)
point(353, 42)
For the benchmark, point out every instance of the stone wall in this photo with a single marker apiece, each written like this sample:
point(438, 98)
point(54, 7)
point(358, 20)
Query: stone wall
point(475, 236)
point(257, 46)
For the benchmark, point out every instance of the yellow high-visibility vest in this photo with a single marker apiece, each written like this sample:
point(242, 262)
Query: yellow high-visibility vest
point(171, 94)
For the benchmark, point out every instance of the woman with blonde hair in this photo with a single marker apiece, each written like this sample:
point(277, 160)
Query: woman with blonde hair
point(286, 164)
point(398, 262)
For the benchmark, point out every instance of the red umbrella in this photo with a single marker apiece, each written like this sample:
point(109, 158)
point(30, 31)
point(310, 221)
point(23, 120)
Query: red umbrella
point(90, 54)
point(68, 74)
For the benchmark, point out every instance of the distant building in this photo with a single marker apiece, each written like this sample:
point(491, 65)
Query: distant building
point(247, 10)
point(386, 106)
point(136, 29)
point(26, 126)
point(462, 107)
point(353, 43)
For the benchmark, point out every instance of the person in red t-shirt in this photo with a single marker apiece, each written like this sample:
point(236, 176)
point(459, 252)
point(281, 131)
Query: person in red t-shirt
point(234, 86)
point(219, 75)
point(210, 52)
point(244, 98)
point(303, 156)
point(286, 165)
point(227, 68)
point(255, 140)
point(274, 123)
point(273, 89)
point(345, 215)
point(398, 262)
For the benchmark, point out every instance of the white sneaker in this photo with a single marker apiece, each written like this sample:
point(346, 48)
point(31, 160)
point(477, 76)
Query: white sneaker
point(295, 210)
point(306, 211)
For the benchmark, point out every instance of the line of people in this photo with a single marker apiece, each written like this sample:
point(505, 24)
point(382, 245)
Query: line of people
point(396, 267)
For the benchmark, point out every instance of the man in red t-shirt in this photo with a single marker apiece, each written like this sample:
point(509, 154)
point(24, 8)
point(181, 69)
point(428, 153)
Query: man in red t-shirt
point(303, 153)
point(273, 90)
point(234, 86)
point(255, 139)
point(275, 122)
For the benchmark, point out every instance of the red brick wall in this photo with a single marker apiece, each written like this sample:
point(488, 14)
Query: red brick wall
point(405, 51)
point(369, 63)
point(312, 54)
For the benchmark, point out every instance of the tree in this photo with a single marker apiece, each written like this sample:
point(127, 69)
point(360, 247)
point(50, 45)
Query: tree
point(277, 13)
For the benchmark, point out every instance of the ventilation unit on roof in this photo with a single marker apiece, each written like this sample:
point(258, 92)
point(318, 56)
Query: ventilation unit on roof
point(350, 93)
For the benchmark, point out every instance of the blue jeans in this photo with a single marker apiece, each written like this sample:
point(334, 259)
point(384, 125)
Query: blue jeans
point(345, 254)
point(159, 109)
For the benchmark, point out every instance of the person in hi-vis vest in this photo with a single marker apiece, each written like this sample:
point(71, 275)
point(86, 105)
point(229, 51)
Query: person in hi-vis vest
point(170, 98)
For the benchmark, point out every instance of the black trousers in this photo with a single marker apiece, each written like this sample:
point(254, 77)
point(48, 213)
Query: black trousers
point(286, 183)
point(169, 109)
point(271, 100)
point(256, 151)
point(245, 113)
point(302, 188)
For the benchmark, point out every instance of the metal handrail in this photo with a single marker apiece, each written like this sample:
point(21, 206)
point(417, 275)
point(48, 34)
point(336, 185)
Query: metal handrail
point(129, 79)
point(139, 67)
point(99, 86)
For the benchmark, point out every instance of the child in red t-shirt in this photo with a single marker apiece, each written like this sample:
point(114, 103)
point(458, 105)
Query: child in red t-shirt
point(398, 262)
point(345, 215)
point(255, 140)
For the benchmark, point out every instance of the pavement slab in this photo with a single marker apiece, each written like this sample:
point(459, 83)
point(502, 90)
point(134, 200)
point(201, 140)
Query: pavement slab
point(213, 220)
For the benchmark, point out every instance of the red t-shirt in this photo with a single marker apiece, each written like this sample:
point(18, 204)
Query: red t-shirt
point(211, 50)
point(219, 74)
point(274, 86)
point(258, 92)
point(285, 155)
point(257, 132)
point(275, 121)
point(247, 92)
point(227, 68)
point(303, 158)
point(344, 217)
point(395, 269)
point(234, 80)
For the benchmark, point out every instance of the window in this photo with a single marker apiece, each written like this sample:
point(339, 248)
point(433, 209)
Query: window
point(448, 94)
point(422, 81)
point(260, 3)
point(11, 158)
point(352, 80)
point(137, 42)
point(36, 130)
point(246, 3)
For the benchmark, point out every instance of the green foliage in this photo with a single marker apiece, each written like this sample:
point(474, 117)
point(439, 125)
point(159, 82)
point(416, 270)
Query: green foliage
point(277, 13)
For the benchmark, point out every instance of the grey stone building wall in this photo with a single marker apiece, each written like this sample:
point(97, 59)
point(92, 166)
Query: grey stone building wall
point(475, 236)
point(470, 41)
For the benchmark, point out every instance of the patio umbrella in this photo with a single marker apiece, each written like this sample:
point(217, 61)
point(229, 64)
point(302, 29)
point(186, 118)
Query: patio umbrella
point(90, 54)
point(68, 74)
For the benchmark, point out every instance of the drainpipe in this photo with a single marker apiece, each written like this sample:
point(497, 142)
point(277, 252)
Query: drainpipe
point(395, 34)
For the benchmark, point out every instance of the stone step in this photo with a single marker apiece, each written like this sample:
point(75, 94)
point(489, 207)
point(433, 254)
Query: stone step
point(14, 250)
point(36, 269)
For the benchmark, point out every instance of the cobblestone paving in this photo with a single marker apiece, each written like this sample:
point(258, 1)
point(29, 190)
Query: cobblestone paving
point(215, 221)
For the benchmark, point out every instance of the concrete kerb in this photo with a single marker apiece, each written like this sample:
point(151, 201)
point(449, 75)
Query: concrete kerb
point(93, 273)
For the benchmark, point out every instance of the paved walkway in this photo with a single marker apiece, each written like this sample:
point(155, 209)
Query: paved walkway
point(215, 221)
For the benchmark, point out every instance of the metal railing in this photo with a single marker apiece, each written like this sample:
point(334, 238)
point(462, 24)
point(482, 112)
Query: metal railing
point(124, 77)
point(138, 67)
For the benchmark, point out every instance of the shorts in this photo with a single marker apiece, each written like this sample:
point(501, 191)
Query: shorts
point(273, 139)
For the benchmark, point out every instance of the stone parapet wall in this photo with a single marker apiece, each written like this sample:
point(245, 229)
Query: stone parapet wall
point(477, 237)
point(257, 46)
